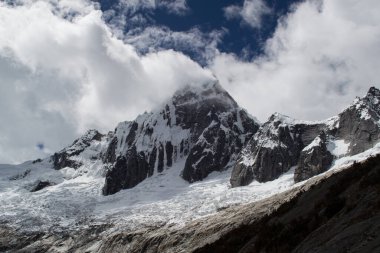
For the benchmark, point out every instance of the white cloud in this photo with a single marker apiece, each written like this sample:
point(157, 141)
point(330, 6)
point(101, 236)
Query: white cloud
point(251, 12)
point(62, 76)
point(321, 56)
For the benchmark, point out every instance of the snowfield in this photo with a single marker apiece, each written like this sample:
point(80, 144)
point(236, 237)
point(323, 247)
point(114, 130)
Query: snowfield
point(75, 199)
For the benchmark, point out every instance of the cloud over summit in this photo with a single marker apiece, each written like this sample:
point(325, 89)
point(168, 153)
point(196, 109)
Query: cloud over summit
point(64, 66)
point(68, 75)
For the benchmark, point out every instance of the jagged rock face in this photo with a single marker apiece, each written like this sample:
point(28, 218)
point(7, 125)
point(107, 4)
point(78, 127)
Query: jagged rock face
point(203, 126)
point(314, 159)
point(359, 124)
point(67, 156)
point(127, 172)
point(273, 150)
point(282, 142)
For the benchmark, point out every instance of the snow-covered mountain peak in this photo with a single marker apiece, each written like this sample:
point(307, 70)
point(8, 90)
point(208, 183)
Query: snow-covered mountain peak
point(368, 106)
point(373, 92)
point(278, 118)
point(211, 92)
point(202, 125)
point(372, 101)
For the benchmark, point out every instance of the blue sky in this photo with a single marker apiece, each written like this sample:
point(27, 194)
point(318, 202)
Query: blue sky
point(236, 36)
point(68, 66)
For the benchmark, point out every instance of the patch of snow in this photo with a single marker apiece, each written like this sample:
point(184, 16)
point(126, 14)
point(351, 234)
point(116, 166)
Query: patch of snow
point(316, 142)
point(364, 114)
point(338, 148)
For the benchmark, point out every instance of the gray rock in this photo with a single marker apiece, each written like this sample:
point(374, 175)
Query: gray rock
point(64, 158)
point(314, 159)
point(359, 123)
point(39, 185)
point(128, 171)
point(278, 144)
point(273, 150)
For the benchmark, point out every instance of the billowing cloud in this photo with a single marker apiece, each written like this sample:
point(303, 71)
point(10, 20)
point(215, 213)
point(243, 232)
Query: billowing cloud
point(134, 22)
point(250, 13)
point(321, 56)
point(63, 69)
point(61, 75)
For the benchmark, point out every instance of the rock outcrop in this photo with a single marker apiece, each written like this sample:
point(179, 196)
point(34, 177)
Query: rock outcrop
point(314, 159)
point(282, 143)
point(39, 185)
point(273, 150)
point(200, 127)
point(68, 157)
point(359, 124)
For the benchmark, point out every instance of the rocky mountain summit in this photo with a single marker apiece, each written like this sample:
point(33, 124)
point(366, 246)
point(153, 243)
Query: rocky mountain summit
point(201, 127)
point(310, 147)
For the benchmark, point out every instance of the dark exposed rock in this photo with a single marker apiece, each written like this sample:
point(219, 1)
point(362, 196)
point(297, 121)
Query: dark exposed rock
point(314, 159)
point(169, 154)
point(160, 166)
point(338, 214)
point(110, 155)
point(37, 161)
point(273, 150)
point(132, 133)
point(21, 175)
point(128, 171)
point(39, 185)
point(64, 158)
point(203, 125)
point(215, 152)
point(277, 146)
point(359, 124)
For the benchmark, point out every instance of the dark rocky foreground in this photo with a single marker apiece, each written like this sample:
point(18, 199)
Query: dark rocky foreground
point(331, 213)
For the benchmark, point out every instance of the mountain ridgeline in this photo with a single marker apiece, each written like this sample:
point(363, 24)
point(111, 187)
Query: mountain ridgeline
point(202, 129)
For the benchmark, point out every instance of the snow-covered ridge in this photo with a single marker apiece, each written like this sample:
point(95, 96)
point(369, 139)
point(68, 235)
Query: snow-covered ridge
point(283, 142)
point(367, 106)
